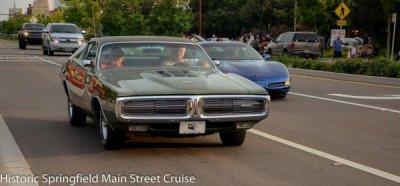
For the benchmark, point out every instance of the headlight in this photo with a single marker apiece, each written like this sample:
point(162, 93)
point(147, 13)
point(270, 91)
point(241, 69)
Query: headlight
point(26, 34)
point(81, 41)
point(54, 39)
point(287, 83)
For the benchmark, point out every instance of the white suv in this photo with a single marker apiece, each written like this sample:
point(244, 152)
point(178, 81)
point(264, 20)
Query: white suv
point(61, 37)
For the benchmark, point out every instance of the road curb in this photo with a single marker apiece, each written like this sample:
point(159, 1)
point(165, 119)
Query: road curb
point(12, 161)
point(347, 77)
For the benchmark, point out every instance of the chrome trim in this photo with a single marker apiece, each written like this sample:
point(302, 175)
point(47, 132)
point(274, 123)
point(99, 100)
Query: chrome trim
point(194, 109)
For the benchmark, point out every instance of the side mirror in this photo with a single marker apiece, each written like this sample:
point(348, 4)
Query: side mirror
point(266, 57)
point(83, 32)
point(45, 31)
point(87, 63)
point(216, 62)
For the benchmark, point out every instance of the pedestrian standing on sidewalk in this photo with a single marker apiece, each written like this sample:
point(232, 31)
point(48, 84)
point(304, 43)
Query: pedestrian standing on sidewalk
point(337, 48)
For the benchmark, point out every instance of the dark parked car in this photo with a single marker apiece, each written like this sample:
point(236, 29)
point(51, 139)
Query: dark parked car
point(158, 86)
point(242, 59)
point(31, 33)
point(304, 44)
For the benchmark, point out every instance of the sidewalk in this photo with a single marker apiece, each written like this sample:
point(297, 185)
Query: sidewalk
point(12, 162)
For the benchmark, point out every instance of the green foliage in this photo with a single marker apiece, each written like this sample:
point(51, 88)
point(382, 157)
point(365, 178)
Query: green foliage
point(371, 67)
point(169, 17)
point(14, 24)
point(136, 17)
point(82, 13)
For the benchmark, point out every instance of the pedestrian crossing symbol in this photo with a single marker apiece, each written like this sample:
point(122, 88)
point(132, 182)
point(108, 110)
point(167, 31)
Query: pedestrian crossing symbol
point(342, 11)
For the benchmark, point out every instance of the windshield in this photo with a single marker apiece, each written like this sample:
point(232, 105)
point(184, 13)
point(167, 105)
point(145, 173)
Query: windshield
point(231, 51)
point(64, 29)
point(34, 27)
point(153, 55)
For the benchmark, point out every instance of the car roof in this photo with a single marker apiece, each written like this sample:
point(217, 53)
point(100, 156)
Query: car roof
point(220, 42)
point(62, 24)
point(116, 39)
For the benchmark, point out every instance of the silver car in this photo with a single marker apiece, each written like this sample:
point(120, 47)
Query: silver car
point(61, 37)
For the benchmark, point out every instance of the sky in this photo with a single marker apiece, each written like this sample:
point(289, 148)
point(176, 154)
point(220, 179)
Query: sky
point(5, 4)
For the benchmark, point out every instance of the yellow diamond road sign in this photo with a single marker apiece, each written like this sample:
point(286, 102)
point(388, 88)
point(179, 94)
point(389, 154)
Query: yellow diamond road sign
point(342, 11)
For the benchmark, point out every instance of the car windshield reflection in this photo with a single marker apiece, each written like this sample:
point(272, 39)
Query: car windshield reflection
point(153, 55)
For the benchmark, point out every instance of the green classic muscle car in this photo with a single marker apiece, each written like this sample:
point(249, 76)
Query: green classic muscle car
point(158, 86)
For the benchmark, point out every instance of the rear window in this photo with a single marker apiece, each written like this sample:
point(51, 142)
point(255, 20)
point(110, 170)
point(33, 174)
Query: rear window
point(303, 37)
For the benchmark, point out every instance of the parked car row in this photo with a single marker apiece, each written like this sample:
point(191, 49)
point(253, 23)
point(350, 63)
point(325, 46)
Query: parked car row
point(55, 37)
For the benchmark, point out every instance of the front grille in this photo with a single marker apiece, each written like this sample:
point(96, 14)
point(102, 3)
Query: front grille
point(272, 85)
point(215, 106)
point(155, 107)
point(68, 40)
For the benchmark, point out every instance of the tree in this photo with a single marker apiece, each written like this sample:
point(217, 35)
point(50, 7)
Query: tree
point(14, 24)
point(170, 17)
point(124, 20)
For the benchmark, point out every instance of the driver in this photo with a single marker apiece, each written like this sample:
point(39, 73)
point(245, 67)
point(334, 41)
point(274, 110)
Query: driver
point(115, 59)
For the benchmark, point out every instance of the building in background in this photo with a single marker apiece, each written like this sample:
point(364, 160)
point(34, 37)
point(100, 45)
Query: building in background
point(40, 7)
point(29, 10)
point(57, 4)
point(14, 11)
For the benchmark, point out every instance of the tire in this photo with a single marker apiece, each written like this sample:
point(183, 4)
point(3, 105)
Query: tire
point(22, 44)
point(44, 50)
point(51, 53)
point(279, 96)
point(75, 116)
point(111, 139)
point(235, 138)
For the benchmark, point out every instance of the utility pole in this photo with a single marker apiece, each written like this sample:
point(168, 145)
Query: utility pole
point(295, 15)
point(388, 37)
point(394, 19)
point(94, 21)
point(261, 17)
point(200, 17)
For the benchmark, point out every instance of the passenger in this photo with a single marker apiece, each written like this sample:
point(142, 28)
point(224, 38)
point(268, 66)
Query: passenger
point(115, 59)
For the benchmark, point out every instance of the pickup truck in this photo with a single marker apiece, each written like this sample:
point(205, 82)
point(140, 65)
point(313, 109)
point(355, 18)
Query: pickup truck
point(31, 33)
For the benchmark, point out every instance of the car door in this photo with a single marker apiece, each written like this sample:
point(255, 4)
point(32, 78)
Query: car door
point(75, 77)
point(91, 82)
point(278, 47)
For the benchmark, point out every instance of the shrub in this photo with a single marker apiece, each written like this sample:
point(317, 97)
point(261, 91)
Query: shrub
point(372, 67)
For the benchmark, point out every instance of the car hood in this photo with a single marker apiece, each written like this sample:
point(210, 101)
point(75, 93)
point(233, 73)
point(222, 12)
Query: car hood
point(255, 69)
point(67, 35)
point(177, 82)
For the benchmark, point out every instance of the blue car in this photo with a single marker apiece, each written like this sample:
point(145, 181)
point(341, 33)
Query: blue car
point(241, 59)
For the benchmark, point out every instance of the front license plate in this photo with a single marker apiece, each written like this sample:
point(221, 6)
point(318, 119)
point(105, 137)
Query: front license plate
point(192, 127)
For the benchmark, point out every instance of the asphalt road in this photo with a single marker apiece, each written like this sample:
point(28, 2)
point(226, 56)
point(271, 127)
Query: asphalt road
point(331, 140)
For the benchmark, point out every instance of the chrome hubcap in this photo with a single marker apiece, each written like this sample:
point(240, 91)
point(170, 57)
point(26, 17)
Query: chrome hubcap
point(103, 128)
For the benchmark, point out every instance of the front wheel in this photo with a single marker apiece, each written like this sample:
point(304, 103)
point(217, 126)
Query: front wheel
point(235, 138)
point(75, 116)
point(110, 138)
point(44, 50)
point(22, 44)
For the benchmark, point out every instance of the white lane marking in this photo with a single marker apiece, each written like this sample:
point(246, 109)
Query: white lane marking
point(348, 103)
point(387, 97)
point(48, 61)
point(349, 163)
point(12, 161)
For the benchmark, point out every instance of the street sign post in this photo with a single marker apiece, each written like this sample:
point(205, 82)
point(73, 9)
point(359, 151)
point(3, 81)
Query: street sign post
point(342, 11)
